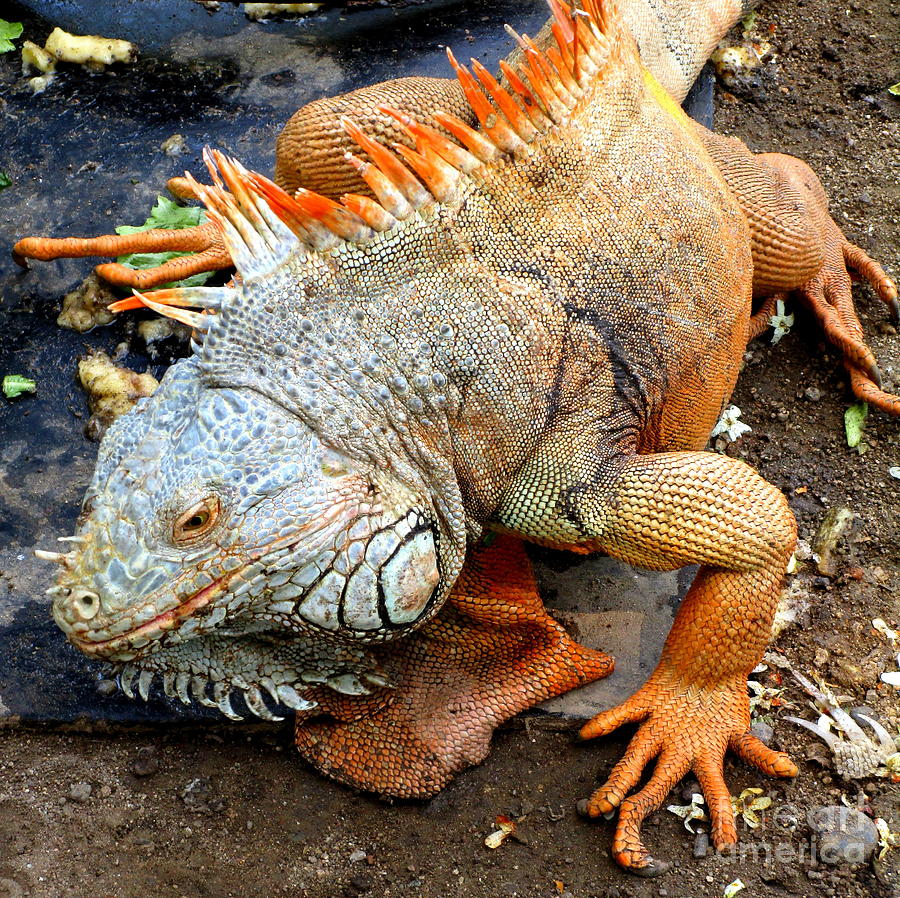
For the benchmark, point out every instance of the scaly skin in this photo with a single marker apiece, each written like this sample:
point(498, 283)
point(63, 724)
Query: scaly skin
point(492, 652)
point(535, 335)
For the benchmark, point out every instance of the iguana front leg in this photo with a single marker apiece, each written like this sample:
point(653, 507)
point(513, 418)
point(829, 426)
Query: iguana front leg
point(207, 253)
point(309, 153)
point(664, 511)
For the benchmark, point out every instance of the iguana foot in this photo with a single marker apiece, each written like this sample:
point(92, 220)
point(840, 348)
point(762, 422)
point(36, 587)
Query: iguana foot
point(492, 652)
point(829, 292)
point(686, 728)
point(203, 242)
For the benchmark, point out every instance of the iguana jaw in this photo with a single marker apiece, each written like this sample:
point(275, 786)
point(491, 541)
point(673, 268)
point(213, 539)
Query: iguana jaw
point(266, 670)
point(125, 647)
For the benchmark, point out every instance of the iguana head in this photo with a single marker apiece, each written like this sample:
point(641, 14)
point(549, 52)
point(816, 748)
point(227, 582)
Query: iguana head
point(215, 511)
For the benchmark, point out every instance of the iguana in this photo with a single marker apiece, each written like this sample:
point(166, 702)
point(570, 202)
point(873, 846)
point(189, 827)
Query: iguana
point(527, 329)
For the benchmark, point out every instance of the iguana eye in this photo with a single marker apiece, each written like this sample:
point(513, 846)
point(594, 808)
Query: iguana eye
point(197, 521)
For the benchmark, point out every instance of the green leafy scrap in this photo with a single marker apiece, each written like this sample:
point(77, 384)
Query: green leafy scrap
point(5, 180)
point(166, 214)
point(855, 423)
point(894, 89)
point(9, 31)
point(14, 385)
point(748, 23)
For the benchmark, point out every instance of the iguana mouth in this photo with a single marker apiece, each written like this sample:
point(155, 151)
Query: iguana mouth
point(153, 629)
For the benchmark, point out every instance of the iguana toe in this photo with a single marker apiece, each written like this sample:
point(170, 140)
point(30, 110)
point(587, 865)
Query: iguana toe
point(203, 242)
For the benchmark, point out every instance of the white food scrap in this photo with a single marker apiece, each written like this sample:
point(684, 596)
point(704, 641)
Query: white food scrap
point(729, 426)
point(111, 390)
point(781, 323)
point(262, 10)
point(887, 840)
point(90, 50)
point(506, 828)
point(689, 812)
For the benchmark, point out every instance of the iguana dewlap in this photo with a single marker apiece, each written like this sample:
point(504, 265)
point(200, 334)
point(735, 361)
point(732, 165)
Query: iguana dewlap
point(531, 330)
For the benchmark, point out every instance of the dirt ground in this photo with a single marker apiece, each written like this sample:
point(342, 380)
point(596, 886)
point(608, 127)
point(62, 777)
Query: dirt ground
point(231, 812)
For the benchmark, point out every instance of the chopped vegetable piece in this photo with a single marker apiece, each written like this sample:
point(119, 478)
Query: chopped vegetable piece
point(506, 828)
point(5, 180)
point(748, 803)
point(15, 385)
point(781, 323)
point(729, 426)
point(886, 839)
point(689, 812)
point(855, 423)
point(9, 31)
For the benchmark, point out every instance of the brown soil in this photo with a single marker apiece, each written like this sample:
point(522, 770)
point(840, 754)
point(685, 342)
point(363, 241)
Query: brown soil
point(233, 813)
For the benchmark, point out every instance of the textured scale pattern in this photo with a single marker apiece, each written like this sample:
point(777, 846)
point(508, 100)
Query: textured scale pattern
point(526, 317)
point(492, 652)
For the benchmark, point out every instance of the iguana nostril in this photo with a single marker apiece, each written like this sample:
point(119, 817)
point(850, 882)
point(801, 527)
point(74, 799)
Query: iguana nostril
point(85, 603)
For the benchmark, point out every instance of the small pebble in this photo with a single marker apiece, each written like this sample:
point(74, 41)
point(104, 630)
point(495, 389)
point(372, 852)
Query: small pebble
point(357, 856)
point(80, 792)
point(689, 788)
point(361, 883)
point(701, 845)
point(813, 394)
point(146, 763)
point(107, 688)
point(763, 732)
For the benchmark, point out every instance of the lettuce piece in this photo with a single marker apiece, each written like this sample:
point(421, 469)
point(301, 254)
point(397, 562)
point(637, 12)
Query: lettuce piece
point(9, 31)
point(15, 385)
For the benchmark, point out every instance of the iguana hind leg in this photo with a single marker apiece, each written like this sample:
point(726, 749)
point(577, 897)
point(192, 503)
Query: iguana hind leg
point(491, 653)
point(798, 248)
point(829, 292)
point(664, 511)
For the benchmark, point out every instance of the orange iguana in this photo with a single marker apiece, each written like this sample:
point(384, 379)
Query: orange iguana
point(527, 325)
